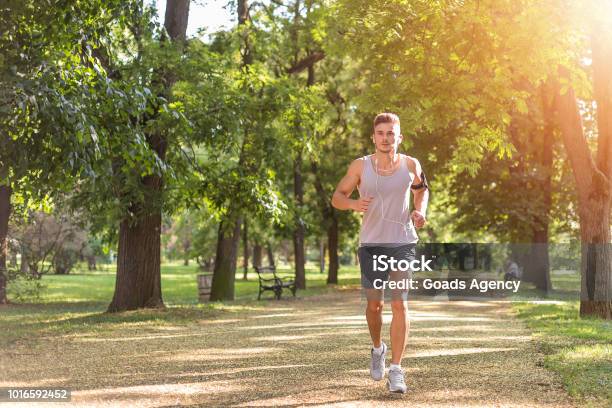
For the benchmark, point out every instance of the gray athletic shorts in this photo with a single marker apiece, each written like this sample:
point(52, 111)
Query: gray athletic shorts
point(374, 274)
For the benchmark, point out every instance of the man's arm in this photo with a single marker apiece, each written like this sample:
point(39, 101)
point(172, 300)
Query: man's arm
point(345, 188)
point(420, 190)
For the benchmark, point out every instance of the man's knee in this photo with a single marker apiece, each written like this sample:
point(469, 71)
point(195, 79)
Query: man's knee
point(375, 306)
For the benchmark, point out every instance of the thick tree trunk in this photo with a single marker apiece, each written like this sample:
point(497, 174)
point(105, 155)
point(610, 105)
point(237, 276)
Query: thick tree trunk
point(176, 19)
point(332, 243)
point(224, 275)
point(597, 287)
point(257, 254)
point(299, 232)
point(245, 248)
point(593, 185)
point(5, 212)
point(138, 282)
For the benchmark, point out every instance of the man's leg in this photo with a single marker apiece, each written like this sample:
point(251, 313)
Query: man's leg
point(373, 312)
point(374, 318)
point(399, 329)
point(399, 334)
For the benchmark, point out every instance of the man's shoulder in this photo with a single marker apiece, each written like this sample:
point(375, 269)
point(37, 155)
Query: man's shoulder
point(357, 164)
point(413, 163)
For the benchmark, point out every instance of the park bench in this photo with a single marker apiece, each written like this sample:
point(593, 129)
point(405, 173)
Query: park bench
point(269, 280)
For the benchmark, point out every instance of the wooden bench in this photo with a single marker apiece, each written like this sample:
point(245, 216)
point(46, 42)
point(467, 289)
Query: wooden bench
point(269, 280)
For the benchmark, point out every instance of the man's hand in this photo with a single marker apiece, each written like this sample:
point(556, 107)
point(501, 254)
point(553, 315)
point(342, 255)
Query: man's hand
point(418, 219)
point(361, 204)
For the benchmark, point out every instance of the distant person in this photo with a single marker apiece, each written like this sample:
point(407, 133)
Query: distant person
point(511, 270)
point(384, 180)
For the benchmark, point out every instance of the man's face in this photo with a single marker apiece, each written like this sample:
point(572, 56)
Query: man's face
point(387, 137)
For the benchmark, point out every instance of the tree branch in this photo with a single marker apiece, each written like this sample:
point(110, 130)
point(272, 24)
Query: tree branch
point(304, 63)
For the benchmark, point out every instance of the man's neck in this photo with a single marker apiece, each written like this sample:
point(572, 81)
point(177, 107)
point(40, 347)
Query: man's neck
point(385, 160)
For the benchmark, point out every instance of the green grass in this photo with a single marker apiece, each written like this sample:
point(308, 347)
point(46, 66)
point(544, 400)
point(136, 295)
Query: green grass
point(75, 303)
point(179, 286)
point(578, 349)
point(564, 287)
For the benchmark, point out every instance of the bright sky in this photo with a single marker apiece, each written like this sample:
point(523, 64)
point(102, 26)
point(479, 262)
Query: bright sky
point(213, 15)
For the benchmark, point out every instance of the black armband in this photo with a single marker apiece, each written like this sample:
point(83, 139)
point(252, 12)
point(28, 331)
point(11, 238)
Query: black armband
point(422, 184)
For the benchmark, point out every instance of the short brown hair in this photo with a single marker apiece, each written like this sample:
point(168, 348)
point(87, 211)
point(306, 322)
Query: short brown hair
point(386, 117)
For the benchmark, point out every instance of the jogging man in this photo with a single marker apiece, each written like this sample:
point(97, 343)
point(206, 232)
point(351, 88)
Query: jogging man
point(384, 180)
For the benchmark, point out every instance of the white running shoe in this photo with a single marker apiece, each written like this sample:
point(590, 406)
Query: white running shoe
point(377, 364)
point(396, 380)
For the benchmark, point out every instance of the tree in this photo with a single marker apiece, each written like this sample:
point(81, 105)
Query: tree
point(593, 177)
point(138, 282)
point(46, 129)
point(242, 167)
point(301, 47)
point(229, 228)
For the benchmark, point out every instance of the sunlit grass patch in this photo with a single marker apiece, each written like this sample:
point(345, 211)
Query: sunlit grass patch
point(578, 349)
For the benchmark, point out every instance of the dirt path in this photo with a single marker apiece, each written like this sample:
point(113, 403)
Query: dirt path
point(308, 352)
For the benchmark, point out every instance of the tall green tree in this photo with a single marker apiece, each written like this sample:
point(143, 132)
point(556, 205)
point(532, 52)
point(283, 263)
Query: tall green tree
point(138, 282)
point(241, 173)
point(46, 81)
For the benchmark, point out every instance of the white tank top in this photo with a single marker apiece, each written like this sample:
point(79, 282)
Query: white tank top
point(387, 220)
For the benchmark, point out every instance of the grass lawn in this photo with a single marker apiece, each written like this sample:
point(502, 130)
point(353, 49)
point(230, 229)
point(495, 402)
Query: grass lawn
point(76, 302)
point(179, 286)
point(579, 350)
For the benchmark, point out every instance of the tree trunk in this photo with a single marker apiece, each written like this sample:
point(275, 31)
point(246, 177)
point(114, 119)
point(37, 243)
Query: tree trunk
point(186, 251)
point(24, 266)
point(539, 269)
point(270, 255)
point(592, 184)
point(13, 258)
point(245, 247)
point(224, 275)
point(243, 17)
point(322, 248)
point(332, 243)
point(138, 282)
point(176, 19)
point(91, 263)
point(5, 212)
point(257, 254)
point(299, 232)
point(331, 221)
